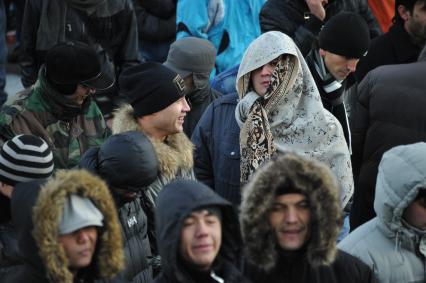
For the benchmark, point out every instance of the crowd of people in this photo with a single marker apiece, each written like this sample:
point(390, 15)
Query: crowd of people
point(215, 141)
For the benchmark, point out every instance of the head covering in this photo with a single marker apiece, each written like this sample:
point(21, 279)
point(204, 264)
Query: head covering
point(79, 212)
point(191, 55)
point(71, 63)
point(25, 158)
point(290, 116)
point(126, 160)
point(175, 202)
point(150, 87)
point(316, 182)
point(345, 34)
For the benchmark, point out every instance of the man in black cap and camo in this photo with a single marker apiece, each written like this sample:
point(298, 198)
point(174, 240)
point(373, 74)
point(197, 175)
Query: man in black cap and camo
point(59, 108)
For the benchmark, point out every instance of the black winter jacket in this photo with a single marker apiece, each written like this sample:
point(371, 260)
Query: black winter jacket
point(393, 47)
point(296, 269)
point(288, 16)
point(114, 38)
point(174, 203)
point(156, 20)
point(198, 100)
point(390, 112)
point(127, 161)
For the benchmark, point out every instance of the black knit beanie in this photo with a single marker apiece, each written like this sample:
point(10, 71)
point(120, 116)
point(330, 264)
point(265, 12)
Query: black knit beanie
point(345, 34)
point(150, 87)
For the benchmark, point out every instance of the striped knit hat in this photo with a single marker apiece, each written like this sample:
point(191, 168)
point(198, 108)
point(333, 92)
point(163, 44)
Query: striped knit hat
point(25, 158)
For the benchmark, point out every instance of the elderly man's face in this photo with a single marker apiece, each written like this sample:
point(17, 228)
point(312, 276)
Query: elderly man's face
point(290, 218)
point(79, 246)
point(200, 238)
point(415, 214)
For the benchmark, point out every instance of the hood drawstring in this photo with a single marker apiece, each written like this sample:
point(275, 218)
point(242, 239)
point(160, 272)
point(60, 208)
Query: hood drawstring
point(216, 278)
point(398, 246)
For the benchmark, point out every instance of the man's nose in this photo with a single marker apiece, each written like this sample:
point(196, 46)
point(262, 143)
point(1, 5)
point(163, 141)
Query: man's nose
point(201, 229)
point(352, 64)
point(291, 216)
point(186, 107)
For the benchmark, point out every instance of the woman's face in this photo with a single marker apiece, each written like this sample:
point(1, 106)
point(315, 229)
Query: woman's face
point(261, 77)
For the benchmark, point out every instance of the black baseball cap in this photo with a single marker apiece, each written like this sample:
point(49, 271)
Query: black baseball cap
point(72, 63)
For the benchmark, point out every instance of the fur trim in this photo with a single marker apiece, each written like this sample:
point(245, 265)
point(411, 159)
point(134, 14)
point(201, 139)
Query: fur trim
point(173, 154)
point(47, 214)
point(316, 182)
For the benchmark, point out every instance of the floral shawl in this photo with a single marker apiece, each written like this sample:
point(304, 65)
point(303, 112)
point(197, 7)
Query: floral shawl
point(290, 117)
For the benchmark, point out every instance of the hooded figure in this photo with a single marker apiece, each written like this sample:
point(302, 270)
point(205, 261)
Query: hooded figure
point(175, 203)
point(37, 209)
point(391, 246)
point(289, 117)
point(316, 258)
point(127, 162)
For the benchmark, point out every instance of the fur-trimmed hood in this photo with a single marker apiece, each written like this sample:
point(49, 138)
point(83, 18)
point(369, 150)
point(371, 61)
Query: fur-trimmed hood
point(37, 211)
point(316, 182)
point(174, 154)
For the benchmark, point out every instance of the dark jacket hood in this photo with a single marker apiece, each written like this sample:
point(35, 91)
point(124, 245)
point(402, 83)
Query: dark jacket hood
point(42, 204)
point(312, 179)
point(126, 161)
point(175, 202)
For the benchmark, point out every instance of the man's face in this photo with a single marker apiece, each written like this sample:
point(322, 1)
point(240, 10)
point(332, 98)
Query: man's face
point(338, 66)
point(81, 93)
point(415, 23)
point(79, 246)
point(261, 77)
point(167, 121)
point(415, 214)
point(200, 238)
point(290, 219)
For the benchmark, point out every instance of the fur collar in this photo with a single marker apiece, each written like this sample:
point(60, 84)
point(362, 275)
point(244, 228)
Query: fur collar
point(47, 214)
point(313, 180)
point(174, 154)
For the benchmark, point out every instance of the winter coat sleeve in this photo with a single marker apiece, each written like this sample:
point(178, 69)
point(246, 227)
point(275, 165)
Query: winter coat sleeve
point(202, 139)
point(28, 59)
point(128, 53)
point(156, 19)
point(283, 17)
point(360, 123)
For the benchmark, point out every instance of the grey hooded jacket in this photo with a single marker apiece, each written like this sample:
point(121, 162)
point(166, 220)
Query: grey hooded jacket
point(394, 252)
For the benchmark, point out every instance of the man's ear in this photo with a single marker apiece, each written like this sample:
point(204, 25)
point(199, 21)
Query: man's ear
point(322, 52)
point(404, 13)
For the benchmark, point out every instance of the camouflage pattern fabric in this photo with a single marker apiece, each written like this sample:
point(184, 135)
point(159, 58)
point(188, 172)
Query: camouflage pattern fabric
point(30, 113)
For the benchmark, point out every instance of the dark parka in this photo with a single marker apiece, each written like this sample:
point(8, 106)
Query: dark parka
point(393, 47)
point(127, 161)
point(156, 22)
point(110, 28)
point(175, 202)
point(319, 260)
point(390, 112)
point(217, 148)
point(36, 212)
point(288, 16)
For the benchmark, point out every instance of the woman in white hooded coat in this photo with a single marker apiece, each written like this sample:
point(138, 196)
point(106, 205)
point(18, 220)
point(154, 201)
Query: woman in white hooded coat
point(280, 111)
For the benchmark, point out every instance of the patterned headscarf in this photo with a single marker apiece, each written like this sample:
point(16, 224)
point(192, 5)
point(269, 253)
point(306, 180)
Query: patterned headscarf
point(290, 116)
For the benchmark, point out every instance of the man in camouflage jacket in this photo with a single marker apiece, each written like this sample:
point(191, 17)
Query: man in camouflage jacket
point(59, 107)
